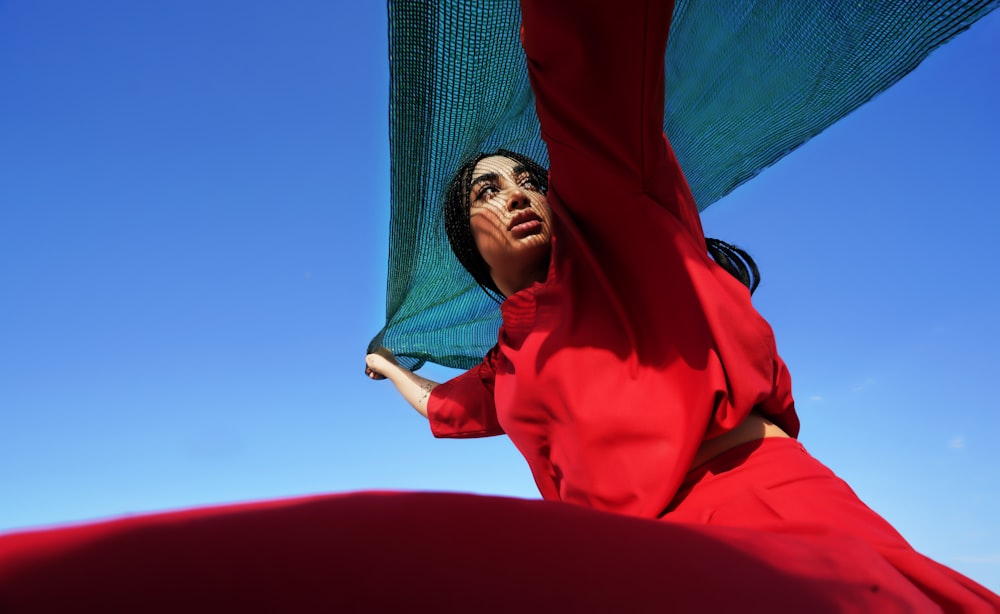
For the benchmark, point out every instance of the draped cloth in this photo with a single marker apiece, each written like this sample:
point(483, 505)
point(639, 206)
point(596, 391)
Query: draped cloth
point(751, 80)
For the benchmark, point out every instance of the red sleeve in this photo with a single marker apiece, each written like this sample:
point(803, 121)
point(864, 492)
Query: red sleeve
point(658, 347)
point(463, 406)
point(597, 73)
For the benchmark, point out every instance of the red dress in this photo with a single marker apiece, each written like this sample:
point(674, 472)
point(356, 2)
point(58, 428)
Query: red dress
point(624, 360)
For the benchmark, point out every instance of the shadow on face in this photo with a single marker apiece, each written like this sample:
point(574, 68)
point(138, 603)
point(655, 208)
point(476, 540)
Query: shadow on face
point(511, 222)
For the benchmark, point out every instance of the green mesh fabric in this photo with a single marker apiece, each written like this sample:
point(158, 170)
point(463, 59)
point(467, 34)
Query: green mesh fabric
point(747, 82)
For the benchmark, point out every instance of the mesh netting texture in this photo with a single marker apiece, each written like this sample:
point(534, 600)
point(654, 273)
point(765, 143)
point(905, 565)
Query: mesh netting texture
point(747, 83)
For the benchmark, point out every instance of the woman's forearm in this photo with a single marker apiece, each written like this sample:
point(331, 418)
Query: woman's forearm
point(414, 388)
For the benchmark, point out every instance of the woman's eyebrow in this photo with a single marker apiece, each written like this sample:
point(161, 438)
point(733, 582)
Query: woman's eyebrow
point(485, 177)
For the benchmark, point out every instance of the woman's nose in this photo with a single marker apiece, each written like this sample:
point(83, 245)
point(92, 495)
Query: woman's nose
point(517, 199)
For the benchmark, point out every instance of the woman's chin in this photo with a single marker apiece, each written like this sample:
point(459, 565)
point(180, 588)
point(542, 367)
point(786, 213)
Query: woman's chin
point(537, 239)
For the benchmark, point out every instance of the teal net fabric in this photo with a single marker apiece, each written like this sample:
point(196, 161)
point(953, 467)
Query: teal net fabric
point(747, 82)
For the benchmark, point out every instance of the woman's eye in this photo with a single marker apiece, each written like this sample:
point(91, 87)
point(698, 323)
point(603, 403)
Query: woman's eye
point(529, 184)
point(486, 191)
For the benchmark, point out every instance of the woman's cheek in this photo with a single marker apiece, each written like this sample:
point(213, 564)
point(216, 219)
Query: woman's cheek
point(488, 240)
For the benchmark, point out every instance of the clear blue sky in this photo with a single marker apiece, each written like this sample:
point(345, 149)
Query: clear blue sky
point(193, 245)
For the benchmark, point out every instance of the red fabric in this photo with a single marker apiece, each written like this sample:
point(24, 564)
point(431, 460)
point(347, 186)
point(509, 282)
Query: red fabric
point(467, 408)
point(437, 553)
point(767, 484)
point(637, 346)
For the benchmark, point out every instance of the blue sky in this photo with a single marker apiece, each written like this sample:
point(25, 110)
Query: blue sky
point(193, 246)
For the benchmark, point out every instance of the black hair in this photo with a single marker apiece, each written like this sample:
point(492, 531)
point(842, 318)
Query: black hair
point(456, 216)
point(737, 262)
point(457, 225)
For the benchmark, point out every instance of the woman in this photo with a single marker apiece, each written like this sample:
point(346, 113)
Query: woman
point(500, 227)
point(631, 371)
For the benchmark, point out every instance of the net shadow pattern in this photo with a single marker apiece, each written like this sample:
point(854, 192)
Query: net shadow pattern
point(748, 81)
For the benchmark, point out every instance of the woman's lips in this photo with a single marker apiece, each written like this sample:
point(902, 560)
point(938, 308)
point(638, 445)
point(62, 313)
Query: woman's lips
point(524, 224)
point(525, 229)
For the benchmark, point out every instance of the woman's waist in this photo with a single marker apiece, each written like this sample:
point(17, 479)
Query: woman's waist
point(755, 427)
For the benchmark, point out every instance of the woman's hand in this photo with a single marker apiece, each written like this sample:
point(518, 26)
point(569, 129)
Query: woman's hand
point(380, 364)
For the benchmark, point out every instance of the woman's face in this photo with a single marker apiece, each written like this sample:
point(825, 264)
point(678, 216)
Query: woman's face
point(511, 223)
